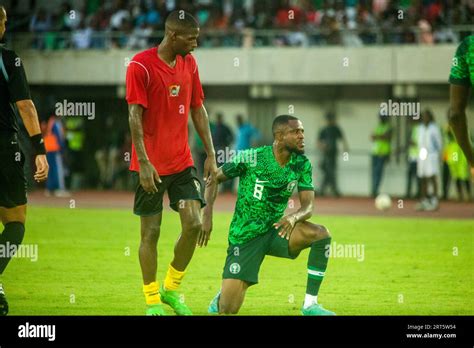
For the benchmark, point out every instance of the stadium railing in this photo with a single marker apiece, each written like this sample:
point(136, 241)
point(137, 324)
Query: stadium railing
point(239, 38)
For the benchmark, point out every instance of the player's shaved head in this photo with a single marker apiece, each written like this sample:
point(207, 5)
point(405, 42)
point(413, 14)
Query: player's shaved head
point(180, 21)
point(3, 13)
point(282, 121)
point(181, 34)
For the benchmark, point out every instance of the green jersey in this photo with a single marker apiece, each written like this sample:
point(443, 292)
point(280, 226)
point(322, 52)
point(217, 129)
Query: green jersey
point(462, 68)
point(264, 190)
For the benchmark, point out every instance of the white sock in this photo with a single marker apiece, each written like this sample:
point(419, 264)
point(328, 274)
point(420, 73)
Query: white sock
point(310, 300)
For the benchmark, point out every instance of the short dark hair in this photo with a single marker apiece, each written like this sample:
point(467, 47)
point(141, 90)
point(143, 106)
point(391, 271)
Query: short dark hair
point(330, 116)
point(181, 20)
point(429, 113)
point(282, 120)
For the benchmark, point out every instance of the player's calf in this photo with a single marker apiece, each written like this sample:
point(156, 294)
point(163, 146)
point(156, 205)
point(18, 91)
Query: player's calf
point(318, 239)
point(12, 236)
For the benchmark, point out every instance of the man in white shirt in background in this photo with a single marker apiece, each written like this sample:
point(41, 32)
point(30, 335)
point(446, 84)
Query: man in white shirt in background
point(430, 145)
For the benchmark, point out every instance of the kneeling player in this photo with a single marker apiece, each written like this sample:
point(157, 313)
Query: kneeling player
point(268, 176)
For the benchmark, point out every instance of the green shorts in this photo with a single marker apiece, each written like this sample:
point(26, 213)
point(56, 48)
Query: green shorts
point(244, 260)
point(183, 186)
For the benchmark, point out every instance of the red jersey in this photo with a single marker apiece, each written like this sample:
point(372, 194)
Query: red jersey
point(166, 95)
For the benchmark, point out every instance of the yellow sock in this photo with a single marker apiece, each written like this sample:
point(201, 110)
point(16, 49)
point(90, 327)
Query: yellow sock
point(173, 278)
point(152, 296)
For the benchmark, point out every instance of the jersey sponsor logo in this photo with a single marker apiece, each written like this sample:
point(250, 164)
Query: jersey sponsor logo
point(234, 268)
point(174, 90)
point(291, 186)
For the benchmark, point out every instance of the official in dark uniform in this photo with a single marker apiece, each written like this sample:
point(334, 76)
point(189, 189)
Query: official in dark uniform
point(15, 96)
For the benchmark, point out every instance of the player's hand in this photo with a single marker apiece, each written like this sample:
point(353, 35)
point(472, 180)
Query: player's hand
point(205, 234)
point(286, 226)
point(148, 176)
point(210, 168)
point(42, 168)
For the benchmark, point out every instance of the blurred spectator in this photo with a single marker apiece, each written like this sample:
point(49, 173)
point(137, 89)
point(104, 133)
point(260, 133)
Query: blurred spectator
point(199, 151)
point(119, 15)
point(308, 22)
point(430, 144)
point(140, 36)
point(426, 35)
point(54, 142)
point(247, 135)
point(121, 179)
point(327, 142)
point(82, 36)
point(382, 139)
point(75, 135)
point(222, 138)
point(413, 152)
point(331, 30)
point(108, 154)
point(365, 24)
point(70, 18)
point(288, 16)
point(39, 25)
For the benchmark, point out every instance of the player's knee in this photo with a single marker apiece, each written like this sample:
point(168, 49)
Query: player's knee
point(151, 234)
point(319, 232)
point(228, 308)
point(193, 227)
point(324, 232)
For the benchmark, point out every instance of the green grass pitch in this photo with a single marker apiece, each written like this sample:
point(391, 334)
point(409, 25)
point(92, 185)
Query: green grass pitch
point(88, 265)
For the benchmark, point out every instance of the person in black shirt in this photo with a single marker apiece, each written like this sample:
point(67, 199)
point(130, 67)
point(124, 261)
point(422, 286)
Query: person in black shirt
point(15, 95)
point(222, 138)
point(327, 143)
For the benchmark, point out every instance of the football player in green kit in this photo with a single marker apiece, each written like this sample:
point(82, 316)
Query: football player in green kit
point(268, 176)
point(461, 79)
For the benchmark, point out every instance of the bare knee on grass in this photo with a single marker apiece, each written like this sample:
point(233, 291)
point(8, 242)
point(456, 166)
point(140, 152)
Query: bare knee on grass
point(232, 296)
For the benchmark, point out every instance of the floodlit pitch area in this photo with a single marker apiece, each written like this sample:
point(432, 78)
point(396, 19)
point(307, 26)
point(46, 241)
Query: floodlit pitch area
point(88, 265)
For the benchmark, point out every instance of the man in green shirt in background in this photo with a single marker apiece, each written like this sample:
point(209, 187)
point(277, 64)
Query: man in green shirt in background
point(381, 137)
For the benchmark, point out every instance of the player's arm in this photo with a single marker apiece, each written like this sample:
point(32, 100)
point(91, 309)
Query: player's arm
point(459, 95)
point(28, 114)
point(20, 95)
point(210, 197)
point(148, 173)
point(201, 123)
point(288, 222)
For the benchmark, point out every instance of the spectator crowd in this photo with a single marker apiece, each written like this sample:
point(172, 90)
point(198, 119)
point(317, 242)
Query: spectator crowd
point(136, 24)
